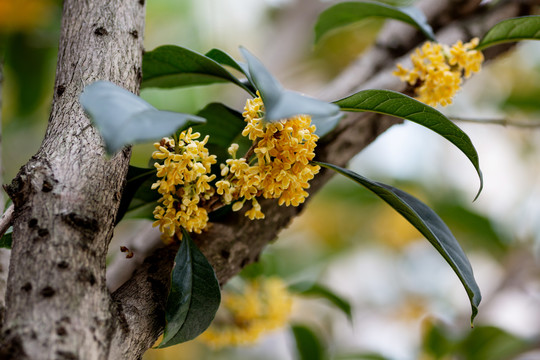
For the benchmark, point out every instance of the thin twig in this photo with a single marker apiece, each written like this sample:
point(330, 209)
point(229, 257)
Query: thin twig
point(498, 121)
point(6, 220)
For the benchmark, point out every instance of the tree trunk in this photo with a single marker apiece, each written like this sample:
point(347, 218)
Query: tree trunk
point(66, 197)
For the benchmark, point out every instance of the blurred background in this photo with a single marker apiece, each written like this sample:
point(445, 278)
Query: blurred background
point(405, 301)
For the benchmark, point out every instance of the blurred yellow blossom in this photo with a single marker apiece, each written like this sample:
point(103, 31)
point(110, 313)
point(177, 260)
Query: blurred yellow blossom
point(280, 168)
point(438, 70)
point(24, 14)
point(264, 305)
point(184, 183)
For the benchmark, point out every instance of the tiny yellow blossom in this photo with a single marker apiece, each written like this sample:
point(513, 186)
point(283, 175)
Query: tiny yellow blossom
point(184, 182)
point(263, 306)
point(24, 15)
point(438, 70)
point(280, 167)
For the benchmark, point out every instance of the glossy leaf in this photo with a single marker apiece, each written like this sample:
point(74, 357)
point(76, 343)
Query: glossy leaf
point(124, 118)
point(346, 13)
point(194, 296)
point(7, 240)
point(396, 104)
point(428, 223)
point(318, 290)
point(171, 66)
point(280, 103)
point(223, 58)
point(307, 343)
point(510, 30)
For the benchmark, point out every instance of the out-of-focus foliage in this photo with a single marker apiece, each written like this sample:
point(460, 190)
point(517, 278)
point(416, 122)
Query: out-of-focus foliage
point(393, 318)
point(29, 32)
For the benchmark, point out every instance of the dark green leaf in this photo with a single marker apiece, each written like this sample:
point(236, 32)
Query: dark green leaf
point(429, 224)
point(516, 29)
point(310, 289)
point(137, 192)
point(6, 241)
point(223, 58)
point(350, 12)
point(124, 118)
point(307, 343)
point(174, 66)
point(194, 296)
point(396, 104)
point(224, 125)
point(471, 227)
point(282, 104)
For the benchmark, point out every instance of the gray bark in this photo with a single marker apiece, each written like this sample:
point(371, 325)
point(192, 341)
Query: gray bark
point(4, 253)
point(66, 197)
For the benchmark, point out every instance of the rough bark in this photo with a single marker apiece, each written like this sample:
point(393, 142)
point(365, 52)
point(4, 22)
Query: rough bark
point(4, 253)
point(67, 195)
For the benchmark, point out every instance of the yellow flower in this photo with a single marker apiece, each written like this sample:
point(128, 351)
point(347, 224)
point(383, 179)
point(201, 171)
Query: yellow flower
point(184, 182)
point(438, 70)
point(264, 305)
point(18, 15)
point(280, 167)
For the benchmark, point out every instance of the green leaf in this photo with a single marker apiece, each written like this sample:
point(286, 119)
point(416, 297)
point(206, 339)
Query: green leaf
point(396, 104)
point(174, 66)
point(7, 240)
point(510, 30)
point(224, 125)
point(280, 103)
point(307, 343)
point(350, 12)
point(223, 58)
point(124, 118)
point(429, 224)
point(194, 296)
point(310, 289)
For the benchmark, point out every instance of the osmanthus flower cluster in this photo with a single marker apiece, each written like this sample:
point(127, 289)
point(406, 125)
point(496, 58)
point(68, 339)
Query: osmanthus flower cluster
point(184, 184)
point(280, 167)
point(277, 166)
point(263, 305)
point(438, 70)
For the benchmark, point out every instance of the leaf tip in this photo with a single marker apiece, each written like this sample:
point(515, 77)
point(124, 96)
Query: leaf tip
point(481, 185)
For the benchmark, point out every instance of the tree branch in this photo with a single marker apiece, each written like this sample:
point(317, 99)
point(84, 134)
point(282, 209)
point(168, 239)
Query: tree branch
point(503, 121)
point(236, 241)
point(67, 195)
point(4, 253)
